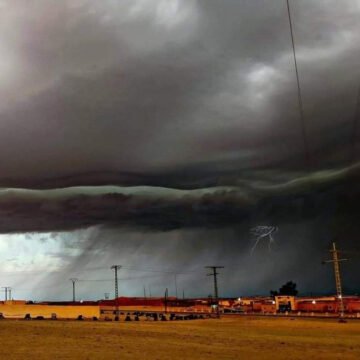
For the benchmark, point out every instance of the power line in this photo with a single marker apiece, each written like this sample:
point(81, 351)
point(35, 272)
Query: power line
point(37, 288)
point(300, 101)
point(158, 271)
point(32, 273)
point(96, 280)
point(355, 127)
point(134, 268)
point(124, 279)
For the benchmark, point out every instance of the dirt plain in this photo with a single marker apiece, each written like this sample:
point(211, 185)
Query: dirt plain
point(227, 338)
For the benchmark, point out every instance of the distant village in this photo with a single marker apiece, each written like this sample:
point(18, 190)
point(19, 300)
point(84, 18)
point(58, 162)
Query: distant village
point(173, 308)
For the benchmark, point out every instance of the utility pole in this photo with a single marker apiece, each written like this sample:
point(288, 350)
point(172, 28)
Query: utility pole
point(116, 267)
point(216, 293)
point(176, 289)
point(144, 293)
point(73, 280)
point(10, 293)
point(335, 260)
point(166, 299)
point(6, 289)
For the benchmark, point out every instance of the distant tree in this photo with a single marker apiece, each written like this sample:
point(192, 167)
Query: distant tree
point(287, 289)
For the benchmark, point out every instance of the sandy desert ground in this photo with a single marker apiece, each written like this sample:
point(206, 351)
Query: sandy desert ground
point(228, 338)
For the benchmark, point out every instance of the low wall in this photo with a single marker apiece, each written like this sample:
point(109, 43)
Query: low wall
point(61, 311)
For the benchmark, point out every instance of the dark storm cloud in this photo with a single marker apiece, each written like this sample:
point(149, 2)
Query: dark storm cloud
point(137, 86)
point(196, 103)
point(169, 208)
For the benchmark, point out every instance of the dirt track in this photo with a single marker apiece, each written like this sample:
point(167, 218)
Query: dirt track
point(238, 338)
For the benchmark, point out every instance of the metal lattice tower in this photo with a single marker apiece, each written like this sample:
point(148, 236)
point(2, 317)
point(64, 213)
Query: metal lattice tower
point(216, 292)
point(335, 260)
point(338, 279)
point(116, 267)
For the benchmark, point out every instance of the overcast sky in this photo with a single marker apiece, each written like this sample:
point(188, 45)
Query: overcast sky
point(195, 101)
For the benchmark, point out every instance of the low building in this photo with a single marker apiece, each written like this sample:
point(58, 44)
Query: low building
point(21, 309)
point(285, 303)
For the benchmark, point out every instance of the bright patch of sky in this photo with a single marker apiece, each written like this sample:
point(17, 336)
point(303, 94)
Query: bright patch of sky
point(26, 260)
point(29, 252)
